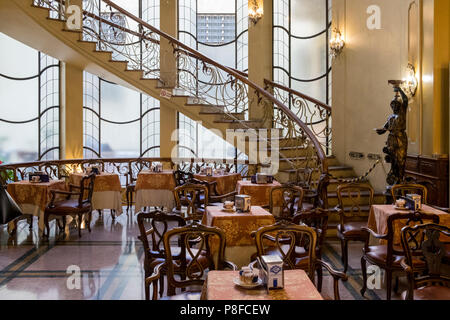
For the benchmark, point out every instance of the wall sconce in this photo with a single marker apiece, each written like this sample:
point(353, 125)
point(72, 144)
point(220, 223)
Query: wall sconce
point(255, 12)
point(410, 83)
point(337, 43)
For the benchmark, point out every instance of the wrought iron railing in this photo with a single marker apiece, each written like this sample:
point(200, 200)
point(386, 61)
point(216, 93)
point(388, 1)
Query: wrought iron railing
point(314, 113)
point(205, 80)
point(126, 168)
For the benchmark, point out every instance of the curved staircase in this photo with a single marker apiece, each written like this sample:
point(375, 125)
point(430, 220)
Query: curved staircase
point(122, 48)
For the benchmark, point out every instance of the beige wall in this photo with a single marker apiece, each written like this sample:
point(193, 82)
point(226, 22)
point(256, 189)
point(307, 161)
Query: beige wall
point(71, 124)
point(361, 94)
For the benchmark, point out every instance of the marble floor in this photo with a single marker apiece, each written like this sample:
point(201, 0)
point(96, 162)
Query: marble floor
point(109, 260)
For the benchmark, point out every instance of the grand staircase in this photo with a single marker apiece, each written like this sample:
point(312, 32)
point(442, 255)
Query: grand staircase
point(122, 48)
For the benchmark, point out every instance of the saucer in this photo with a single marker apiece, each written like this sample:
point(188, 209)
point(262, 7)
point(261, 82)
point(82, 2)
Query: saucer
point(237, 281)
point(228, 210)
point(400, 208)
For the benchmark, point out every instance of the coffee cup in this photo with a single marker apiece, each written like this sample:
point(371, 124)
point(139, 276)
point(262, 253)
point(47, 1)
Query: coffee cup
point(400, 203)
point(228, 204)
point(247, 276)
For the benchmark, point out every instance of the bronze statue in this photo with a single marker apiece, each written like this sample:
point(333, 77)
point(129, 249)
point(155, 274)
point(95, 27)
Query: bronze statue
point(397, 143)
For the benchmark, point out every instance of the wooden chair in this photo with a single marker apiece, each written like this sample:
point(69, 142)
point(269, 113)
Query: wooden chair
point(182, 177)
point(213, 194)
point(291, 198)
point(288, 237)
point(135, 169)
point(73, 207)
point(404, 189)
point(194, 197)
point(318, 220)
point(423, 243)
point(351, 205)
point(318, 197)
point(154, 254)
point(388, 256)
point(194, 263)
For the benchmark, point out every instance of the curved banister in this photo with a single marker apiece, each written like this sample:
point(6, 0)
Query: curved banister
point(312, 112)
point(295, 129)
point(234, 73)
point(272, 84)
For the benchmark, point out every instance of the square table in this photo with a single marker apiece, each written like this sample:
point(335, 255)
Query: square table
point(226, 183)
point(259, 192)
point(107, 190)
point(155, 189)
point(237, 227)
point(379, 214)
point(297, 286)
point(33, 198)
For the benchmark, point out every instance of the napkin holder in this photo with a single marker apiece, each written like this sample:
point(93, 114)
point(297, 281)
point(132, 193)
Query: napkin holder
point(413, 202)
point(271, 271)
point(43, 177)
point(242, 203)
point(93, 169)
point(262, 178)
point(208, 171)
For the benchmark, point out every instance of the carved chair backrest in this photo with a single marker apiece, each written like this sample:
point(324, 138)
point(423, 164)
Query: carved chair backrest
point(351, 197)
point(191, 196)
point(404, 189)
point(316, 219)
point(403, 219)
point(182, 177)
point(190, 257)
point(286, 236)
point(86, 189)
point(160, 223)
point(287, 200)
point(424, 242)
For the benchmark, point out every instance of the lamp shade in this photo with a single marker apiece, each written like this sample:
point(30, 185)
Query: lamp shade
point(9, 210)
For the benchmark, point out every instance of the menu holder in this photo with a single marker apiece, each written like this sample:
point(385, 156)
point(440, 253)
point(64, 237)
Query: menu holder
point(38, 176)
point(242, 203)
point(271, 271)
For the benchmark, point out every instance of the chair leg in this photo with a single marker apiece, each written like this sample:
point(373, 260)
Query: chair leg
point(47, 227)
point(345, 255)
point(396, 284)
point(80, 220)
point(319, 278)
point(30, 222)
point(89, 220)
point(128, 202)
point(364, 274)
point(342, 250)
point(388, 284)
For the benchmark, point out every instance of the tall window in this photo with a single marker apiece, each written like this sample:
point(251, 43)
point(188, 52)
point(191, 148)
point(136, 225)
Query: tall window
point(120, 122)
point(300, 46)
point(29, 108)
point(218, 29)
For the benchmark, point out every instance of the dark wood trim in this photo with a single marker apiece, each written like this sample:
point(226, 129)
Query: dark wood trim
point(433, 173)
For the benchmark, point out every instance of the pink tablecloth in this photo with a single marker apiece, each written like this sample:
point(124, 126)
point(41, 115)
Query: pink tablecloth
point(379, 214)
point(259, 192)
point(219, 286)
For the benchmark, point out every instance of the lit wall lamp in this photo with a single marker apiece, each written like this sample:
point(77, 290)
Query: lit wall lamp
point(410, 83)
point(337, 43)
point(255, 12)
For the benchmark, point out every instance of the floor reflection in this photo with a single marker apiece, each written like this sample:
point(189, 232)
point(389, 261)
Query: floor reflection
point(103, 264)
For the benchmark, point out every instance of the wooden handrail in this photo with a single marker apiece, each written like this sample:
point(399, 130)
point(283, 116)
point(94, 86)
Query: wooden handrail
point(294, 92)
point(235, 74)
